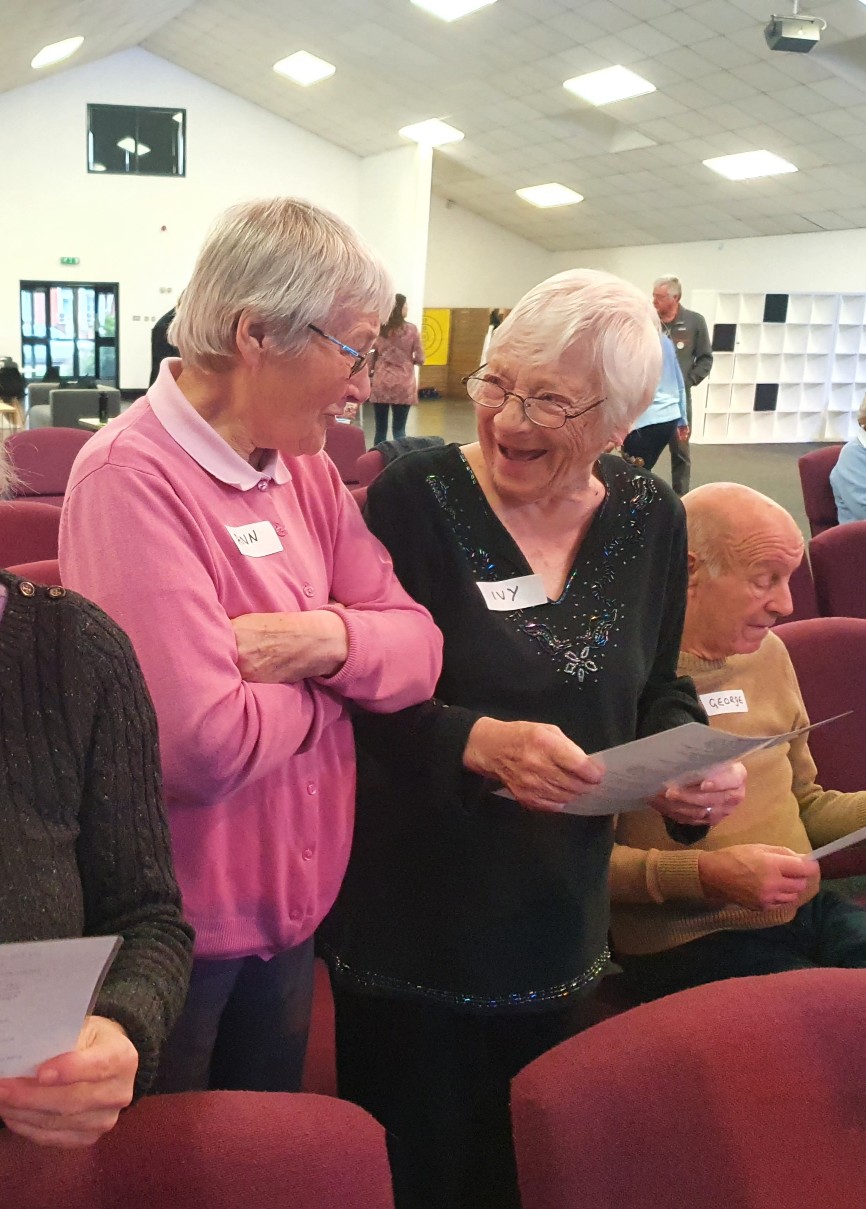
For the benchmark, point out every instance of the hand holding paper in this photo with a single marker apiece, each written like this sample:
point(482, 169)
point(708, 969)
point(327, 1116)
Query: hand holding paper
point(538, 764)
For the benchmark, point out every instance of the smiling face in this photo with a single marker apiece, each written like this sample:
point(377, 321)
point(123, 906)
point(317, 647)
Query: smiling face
point(528, 463)
point(731, 613)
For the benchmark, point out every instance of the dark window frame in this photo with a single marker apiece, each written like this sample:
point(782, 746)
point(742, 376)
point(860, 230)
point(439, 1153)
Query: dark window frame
point(100, 342)
point(132, 168)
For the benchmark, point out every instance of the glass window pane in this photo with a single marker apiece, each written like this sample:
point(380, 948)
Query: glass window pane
point(111, 138)
point(106, 319)
point(63, 357)
point(143, 140)
point(86, 312)
point(107, 363)
point(26, 313)
point(159, 143)
point(86, 359)
point(40, 326)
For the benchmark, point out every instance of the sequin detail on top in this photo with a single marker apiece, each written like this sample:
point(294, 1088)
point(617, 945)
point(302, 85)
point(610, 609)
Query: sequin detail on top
point(480, 559)
point(364, 980)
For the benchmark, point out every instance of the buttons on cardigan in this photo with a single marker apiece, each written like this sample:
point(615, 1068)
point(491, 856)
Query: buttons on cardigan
point(281, 530)
point(312, 788)
point(56, 592)
point(295, 914)
point(307, 854)
point(309, 590)
point(26, 588)
point(262, 484)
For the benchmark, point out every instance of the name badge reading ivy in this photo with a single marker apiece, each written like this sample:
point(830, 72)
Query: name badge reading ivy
point(506, 595)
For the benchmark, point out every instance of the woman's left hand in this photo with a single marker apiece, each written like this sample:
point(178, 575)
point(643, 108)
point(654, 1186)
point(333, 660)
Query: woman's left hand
point(284, 648)
point(77, 1097)
point(707, 802)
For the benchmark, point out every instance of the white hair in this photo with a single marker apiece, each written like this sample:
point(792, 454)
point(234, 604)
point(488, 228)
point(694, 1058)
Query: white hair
point(8, 475)
point(288, 263)
point(606, 321)
point(672, 284)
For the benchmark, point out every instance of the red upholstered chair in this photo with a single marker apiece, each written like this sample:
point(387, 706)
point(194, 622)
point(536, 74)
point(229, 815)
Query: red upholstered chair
point(42, 459)
point(370, 466)
point(818, 497)
point(320, 1067)
point(360, 496)
point(744, 1094)
point(838, 558)
point(344, 444)
point(29, 531)
point(829, 656)
point(803, 593)
point(211, 1150)
point(45, 572)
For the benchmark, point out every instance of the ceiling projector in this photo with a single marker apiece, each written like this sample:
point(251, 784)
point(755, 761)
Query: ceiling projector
point(797, 33)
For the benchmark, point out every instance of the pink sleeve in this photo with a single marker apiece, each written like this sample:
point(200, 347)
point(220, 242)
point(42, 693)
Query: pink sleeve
point(128, 543)
point(395, 649)
point(418, 349)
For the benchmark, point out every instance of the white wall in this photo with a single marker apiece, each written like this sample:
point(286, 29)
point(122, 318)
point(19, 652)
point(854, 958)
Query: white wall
point(472, 262)
point(395, 214)
point(829, 261)
point(144, 232)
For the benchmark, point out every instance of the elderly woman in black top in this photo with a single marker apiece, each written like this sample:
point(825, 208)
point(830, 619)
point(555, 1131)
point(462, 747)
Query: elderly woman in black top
point(470, 927)
point(84, 850)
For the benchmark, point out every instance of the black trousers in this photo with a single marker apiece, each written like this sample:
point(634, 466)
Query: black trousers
point(399, 416)
point(681, 458)
point(438, 1080)
point(648, 442)
point(828, 931)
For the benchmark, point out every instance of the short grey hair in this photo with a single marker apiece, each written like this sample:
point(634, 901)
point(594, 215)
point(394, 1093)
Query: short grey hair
point(287, 262)
point(861, 414)
point(8, 474)
point(607, 320)
point(673, 284)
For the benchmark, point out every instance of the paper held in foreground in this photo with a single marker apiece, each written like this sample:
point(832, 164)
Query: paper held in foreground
point(637, 771)
point(47, 987)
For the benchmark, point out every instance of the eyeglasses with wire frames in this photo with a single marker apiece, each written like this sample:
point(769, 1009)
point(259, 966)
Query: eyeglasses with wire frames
point(360, 358)
point(546, 411)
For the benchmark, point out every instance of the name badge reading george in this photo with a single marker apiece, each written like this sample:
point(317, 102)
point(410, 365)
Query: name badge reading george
point(506, 595)
point(255, 540)
point(731, 701)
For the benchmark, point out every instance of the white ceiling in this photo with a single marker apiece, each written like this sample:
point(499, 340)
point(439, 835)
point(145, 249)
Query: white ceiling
point(497, 75)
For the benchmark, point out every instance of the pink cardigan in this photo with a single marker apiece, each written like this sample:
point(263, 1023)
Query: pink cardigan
point(259, 778)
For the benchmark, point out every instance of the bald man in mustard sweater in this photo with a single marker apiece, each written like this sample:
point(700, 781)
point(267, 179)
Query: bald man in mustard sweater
point(747, 899)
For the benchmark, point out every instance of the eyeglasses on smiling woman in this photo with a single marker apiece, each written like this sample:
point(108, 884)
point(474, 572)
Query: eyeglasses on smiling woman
point(546, 411)
point(360, 358)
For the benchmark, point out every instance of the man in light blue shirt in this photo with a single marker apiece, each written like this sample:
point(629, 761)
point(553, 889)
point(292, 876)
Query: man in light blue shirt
point(848, 476)
point(664, 416)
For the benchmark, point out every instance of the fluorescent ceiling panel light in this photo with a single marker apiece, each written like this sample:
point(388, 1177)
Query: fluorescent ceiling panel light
point(452, 10)
point(749, 164)
point(609, 85)
point(550, 195)
point(56, 52)
point(132, 147)
point(432, 133)
point(304, 68)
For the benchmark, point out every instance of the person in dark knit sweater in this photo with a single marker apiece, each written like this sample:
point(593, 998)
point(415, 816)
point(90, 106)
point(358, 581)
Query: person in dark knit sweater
point(84, 851)
point(470, 928)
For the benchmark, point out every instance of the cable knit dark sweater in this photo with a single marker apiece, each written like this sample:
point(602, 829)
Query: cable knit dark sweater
point(84, 846)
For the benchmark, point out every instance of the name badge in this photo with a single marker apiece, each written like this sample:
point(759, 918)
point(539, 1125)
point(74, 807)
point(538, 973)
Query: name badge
point(509, 594)
point(255, 540)
point(731, 701)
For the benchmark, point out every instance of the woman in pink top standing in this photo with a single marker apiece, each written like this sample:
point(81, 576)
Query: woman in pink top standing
point(185, 523)
point(395, 354)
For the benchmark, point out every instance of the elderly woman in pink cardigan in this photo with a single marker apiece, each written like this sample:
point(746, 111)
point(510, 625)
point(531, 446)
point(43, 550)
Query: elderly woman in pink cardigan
point(262, 610)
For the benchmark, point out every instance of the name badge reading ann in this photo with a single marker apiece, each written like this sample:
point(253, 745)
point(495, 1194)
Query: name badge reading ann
point(509, 594)
point(731, 701)
point(255, 540)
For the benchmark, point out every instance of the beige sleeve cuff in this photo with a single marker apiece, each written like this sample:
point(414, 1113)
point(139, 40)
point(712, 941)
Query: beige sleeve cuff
point(673, 875)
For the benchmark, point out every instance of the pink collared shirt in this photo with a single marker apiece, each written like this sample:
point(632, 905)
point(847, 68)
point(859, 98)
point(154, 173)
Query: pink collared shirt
point(173, 533)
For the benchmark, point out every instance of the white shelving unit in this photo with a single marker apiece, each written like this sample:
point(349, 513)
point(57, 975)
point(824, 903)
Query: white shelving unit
point(816, 359)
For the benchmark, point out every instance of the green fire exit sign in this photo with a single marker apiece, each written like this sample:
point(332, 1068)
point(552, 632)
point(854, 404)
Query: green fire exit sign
point(69, 260)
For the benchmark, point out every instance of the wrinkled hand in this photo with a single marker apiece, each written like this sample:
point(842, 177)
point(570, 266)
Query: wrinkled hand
point(683, 432)
point(758, 876)
point(77, 1097)
point(283, 648)
point(708, 802)
point(535, 762)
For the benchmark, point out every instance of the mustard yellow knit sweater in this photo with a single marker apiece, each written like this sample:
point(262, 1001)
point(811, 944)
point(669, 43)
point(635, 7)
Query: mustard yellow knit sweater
point(656, 896)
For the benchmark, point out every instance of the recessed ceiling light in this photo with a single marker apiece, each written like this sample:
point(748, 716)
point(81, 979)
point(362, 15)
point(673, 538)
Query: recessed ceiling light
point(749, 164)
point(134, 148)
point(97, 167)
point(609, 85)
point(432, 133)
point(56, 52)
point(452, 10)
point(550, 195)
point(304, 68)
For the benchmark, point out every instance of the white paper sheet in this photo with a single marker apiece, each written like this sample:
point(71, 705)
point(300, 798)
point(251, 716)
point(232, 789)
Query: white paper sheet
point(47, 987)
point(844, 841)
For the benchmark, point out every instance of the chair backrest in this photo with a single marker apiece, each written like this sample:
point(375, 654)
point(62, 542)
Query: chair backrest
point(70, 405)
point(38, 392)
point(29, 531)
point(211, 1150)
point(369, 466)
point(746, 1094)
point(803, 592)
point(42, 459)
point(818, 496)
point(838, 558)
point(344, 444)
point(46, 571)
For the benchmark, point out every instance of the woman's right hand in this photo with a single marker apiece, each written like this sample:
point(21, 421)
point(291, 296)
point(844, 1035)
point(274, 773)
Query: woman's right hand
point(536, 762)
